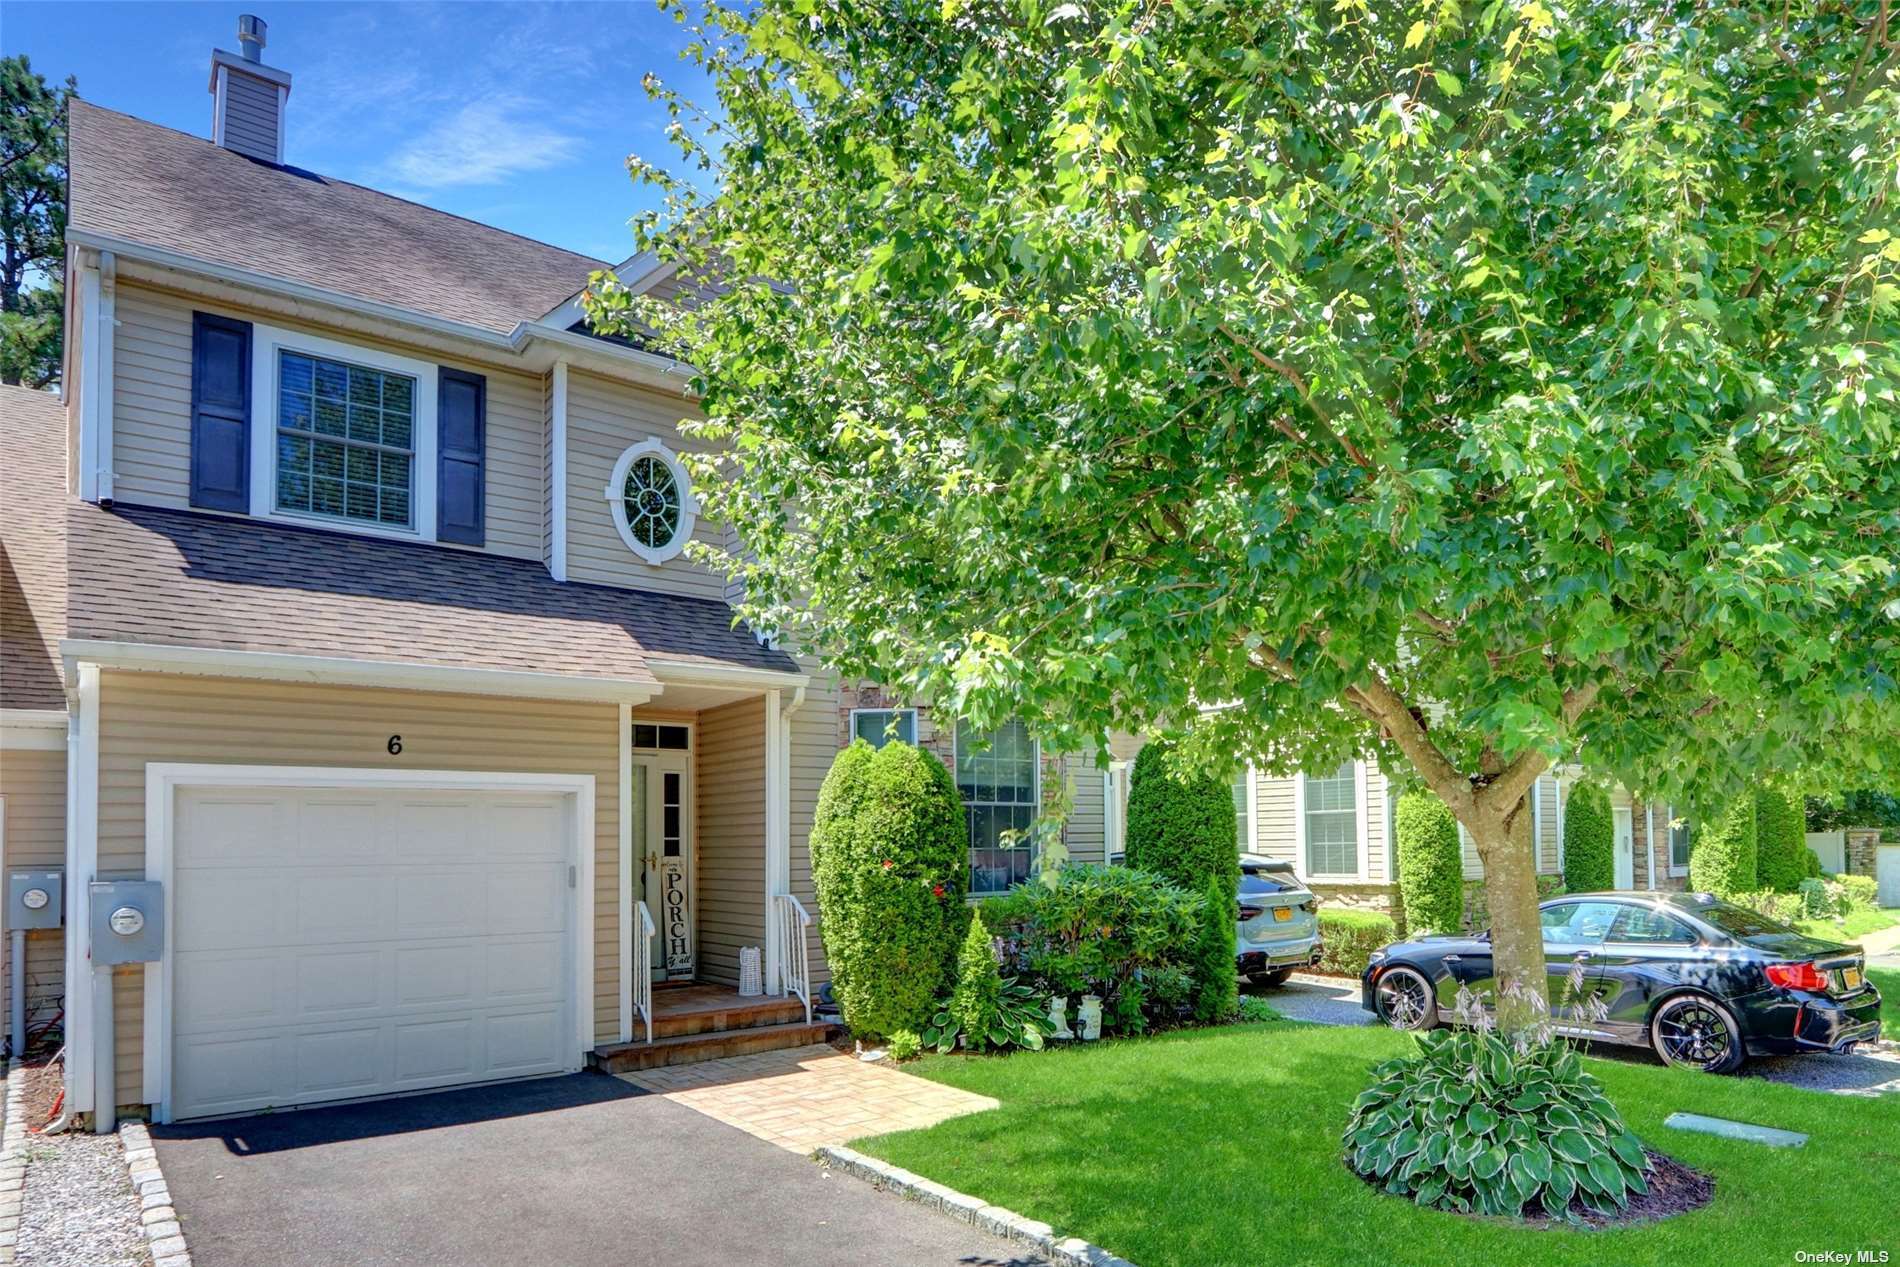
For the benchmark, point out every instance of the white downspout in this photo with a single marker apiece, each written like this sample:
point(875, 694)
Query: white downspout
point(557, 473)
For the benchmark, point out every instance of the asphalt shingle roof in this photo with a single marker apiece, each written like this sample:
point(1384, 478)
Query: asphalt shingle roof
point(149, 184)
point(142, 574)
point(32, 547)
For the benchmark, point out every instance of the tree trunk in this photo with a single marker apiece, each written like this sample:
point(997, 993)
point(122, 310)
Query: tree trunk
point(1510, 892)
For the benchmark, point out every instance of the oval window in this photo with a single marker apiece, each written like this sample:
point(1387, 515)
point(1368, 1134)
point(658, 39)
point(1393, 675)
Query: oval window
point(652, 501)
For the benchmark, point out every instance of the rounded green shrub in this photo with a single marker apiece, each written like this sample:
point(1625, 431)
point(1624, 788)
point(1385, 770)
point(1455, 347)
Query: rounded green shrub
point(1780, 840)
point(1348, 938)
point(1216, 979)
point(1431, 864)
point(1181, 822)
point(1722, 859)
point(1589, 840)
point(888, 856)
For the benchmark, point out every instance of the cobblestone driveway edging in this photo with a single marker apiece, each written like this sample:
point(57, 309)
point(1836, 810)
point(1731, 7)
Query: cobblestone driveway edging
point(13, 1162)
point(1071, 1251)
point(164, 1236)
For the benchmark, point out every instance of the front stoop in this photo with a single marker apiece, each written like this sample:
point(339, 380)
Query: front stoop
point(687, 1049)
point(704, 1022)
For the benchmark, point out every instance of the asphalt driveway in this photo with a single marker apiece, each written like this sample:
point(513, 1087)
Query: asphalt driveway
point(579, 1170)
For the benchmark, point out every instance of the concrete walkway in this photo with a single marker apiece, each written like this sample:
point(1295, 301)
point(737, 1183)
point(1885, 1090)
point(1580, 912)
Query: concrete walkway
point(1883, 947)
point(580, 1169)
point(808, 1096)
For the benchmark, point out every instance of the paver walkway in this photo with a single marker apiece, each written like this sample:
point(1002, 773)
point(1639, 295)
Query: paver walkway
point(807, 1096)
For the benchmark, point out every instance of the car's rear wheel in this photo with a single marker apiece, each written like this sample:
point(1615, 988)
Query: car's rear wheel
point(1273, 978)
point(1404, 999)
point(1693, 1031)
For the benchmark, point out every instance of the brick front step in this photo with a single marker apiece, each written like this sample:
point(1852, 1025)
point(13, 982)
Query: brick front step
point(687, 1049)
point(699, 1010)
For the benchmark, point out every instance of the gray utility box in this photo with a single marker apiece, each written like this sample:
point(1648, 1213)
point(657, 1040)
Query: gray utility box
point(36, 899)
point(128, 921)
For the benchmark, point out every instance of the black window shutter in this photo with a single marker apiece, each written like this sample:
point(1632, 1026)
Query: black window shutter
point(220, 412)
point(461, 403)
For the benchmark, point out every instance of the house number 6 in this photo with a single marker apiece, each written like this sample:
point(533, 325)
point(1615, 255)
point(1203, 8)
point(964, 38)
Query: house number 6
point(395, 745)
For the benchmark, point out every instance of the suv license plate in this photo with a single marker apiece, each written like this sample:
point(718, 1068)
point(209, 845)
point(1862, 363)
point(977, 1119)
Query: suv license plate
point(1850, 979)
point(1282, 914)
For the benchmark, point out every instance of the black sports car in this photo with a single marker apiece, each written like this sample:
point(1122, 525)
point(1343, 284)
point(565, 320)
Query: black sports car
point(1702, 981)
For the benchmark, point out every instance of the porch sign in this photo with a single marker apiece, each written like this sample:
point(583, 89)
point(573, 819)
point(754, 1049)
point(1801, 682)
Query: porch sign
point(676, 927)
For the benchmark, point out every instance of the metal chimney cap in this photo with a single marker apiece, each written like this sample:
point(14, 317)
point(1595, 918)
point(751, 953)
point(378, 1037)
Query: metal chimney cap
point(251, 29)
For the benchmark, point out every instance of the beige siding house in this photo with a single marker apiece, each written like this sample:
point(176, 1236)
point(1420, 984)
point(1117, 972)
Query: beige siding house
point(350, 641)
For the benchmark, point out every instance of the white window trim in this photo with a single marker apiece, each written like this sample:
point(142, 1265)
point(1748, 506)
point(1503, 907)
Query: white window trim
point(1251, 843)
point(266, 342)
point(1035, 803)
point(1359, 825)
point(617, 504)
point(913, 722)
point(1669, 844)
point(163, 780)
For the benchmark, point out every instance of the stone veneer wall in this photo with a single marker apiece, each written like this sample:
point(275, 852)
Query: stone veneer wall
point(1861, 845)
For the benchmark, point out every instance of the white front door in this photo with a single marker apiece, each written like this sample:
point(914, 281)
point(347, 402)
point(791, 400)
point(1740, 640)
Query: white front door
point(337, 942)
point(1625, 848)
point(663, 838)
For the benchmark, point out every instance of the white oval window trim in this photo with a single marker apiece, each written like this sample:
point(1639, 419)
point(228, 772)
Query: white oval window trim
point(617, 501)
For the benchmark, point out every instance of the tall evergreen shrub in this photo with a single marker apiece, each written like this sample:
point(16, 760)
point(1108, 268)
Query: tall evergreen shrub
point(1722, 859)
point(888, 857)
point(1180, 821)
point(1779, 841)
point(1216, 977)
point(1431, 864)
point(1589, 840)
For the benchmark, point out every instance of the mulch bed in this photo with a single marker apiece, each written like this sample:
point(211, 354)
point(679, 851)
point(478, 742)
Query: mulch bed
point(1673, 1189)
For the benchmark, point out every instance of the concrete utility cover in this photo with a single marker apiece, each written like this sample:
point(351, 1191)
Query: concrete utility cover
point(1735, 1130)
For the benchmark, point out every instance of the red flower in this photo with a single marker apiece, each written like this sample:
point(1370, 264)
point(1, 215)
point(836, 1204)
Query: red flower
point(887, 864)
point(937, 889)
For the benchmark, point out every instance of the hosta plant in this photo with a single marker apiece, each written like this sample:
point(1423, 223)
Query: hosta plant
point(1019, 1019)
point(1480, 1125)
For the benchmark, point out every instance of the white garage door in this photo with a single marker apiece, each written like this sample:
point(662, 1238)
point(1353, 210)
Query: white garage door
point(331, 943)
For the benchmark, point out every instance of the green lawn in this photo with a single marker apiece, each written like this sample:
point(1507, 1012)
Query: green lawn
point(1887, 981)
point(1221, 1147)
point(1856, 924)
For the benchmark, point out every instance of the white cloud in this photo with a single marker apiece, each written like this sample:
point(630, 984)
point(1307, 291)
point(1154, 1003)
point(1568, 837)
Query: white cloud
point(482, 143)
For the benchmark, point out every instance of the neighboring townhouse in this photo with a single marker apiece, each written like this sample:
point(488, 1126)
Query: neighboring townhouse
point(345, 601)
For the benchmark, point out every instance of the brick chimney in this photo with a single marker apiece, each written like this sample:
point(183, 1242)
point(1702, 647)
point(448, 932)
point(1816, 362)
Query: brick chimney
point(248, 97)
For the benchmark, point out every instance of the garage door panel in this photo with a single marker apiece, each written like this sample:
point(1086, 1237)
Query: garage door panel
point(338, 981)
point(523, 1041)
point(335, 829)
point(215, 828)
point(228, 910)
point(220, 991)
point(399, 940)
point(447, 973)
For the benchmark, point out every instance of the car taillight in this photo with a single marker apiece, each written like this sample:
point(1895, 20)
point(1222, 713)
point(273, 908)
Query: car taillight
point(1250, 912)
point(1796, 976)
point(1310, 905)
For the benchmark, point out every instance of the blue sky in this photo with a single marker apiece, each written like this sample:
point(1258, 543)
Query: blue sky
point(515, 114)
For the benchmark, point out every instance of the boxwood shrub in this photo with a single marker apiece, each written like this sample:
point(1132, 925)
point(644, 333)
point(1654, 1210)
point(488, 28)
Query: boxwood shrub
point(1722, 859)
point(1589, 840)
point(1350, 937)
point(888, 858)
point(1431, 864)
point(1780, 840)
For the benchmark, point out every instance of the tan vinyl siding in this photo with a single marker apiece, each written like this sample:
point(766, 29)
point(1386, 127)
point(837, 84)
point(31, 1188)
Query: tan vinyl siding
point(814, 744)
point(158, 717)
point(1085, 832)
point(253, 116)
point(603, 420)
point(151, 416)
point(1546, 793)
point(1275, 833)
point(730, 884)
point(33, 789)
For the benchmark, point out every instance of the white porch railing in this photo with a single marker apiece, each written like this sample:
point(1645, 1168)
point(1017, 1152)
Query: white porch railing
point(794, 922)
point(643, 966)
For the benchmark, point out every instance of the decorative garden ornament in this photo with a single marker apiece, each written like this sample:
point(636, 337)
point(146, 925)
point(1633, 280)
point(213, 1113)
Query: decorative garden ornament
point(1090, 1014)
point(1059, 1018)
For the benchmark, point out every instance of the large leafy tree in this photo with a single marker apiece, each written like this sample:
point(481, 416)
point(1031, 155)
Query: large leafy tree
point(32, 223)
point(1477, 385)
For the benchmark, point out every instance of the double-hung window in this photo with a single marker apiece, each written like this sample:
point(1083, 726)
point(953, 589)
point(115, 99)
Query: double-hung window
point(878, 726)
point(346, 441)
point(1678, 844)
point(1330, 809)
point(1243, 809)
point(996, 778)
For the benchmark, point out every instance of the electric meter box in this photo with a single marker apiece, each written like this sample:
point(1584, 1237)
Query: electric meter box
point(128, 921)
point(36, 899)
